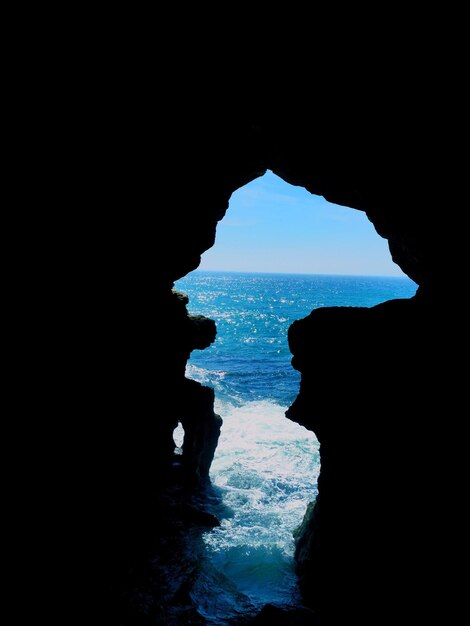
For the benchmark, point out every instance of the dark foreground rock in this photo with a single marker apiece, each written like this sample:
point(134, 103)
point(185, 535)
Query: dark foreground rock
point(381, 389)
point(375, 529)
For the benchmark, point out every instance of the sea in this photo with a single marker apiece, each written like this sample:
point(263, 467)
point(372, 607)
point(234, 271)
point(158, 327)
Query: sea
point(266, 467)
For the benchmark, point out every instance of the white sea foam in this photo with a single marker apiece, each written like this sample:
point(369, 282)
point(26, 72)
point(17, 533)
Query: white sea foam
point(265, 469)
point(202, 375)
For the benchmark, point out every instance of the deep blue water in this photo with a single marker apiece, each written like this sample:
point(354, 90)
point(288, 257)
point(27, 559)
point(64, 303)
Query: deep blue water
point(250, 359)
point(266, 467)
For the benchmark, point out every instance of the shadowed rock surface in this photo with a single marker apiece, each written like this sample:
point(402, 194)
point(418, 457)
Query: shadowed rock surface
point(376, 383)
point(365, 376)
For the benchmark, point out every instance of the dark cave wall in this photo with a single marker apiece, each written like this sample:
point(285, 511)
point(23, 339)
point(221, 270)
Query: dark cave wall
point(365, 374)
point(370, 169)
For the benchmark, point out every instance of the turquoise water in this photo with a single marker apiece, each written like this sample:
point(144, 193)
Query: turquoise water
point(266, 467)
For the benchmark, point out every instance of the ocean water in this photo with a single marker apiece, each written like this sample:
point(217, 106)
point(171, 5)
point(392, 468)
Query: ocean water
point(265, 467)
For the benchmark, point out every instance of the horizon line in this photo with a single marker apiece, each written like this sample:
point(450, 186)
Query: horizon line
point(298, 274)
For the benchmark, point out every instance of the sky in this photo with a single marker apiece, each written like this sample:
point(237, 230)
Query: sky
point(271, 226)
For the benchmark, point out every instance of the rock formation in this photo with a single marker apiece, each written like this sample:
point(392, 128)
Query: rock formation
point(192, 403)
point(365, 375)
point(375, 544)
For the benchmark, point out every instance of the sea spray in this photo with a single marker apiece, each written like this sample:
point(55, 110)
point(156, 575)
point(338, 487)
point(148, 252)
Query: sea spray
point(265, 471)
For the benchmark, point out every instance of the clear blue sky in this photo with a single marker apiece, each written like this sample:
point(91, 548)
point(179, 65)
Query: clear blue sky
point(271, 226)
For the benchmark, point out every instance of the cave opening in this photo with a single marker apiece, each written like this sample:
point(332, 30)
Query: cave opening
point(280, 252)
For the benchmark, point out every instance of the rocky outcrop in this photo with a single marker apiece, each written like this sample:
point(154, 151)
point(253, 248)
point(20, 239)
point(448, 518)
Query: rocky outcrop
point(366, 377)
point(190, 403)
point(156, 514)
point(201, 430)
